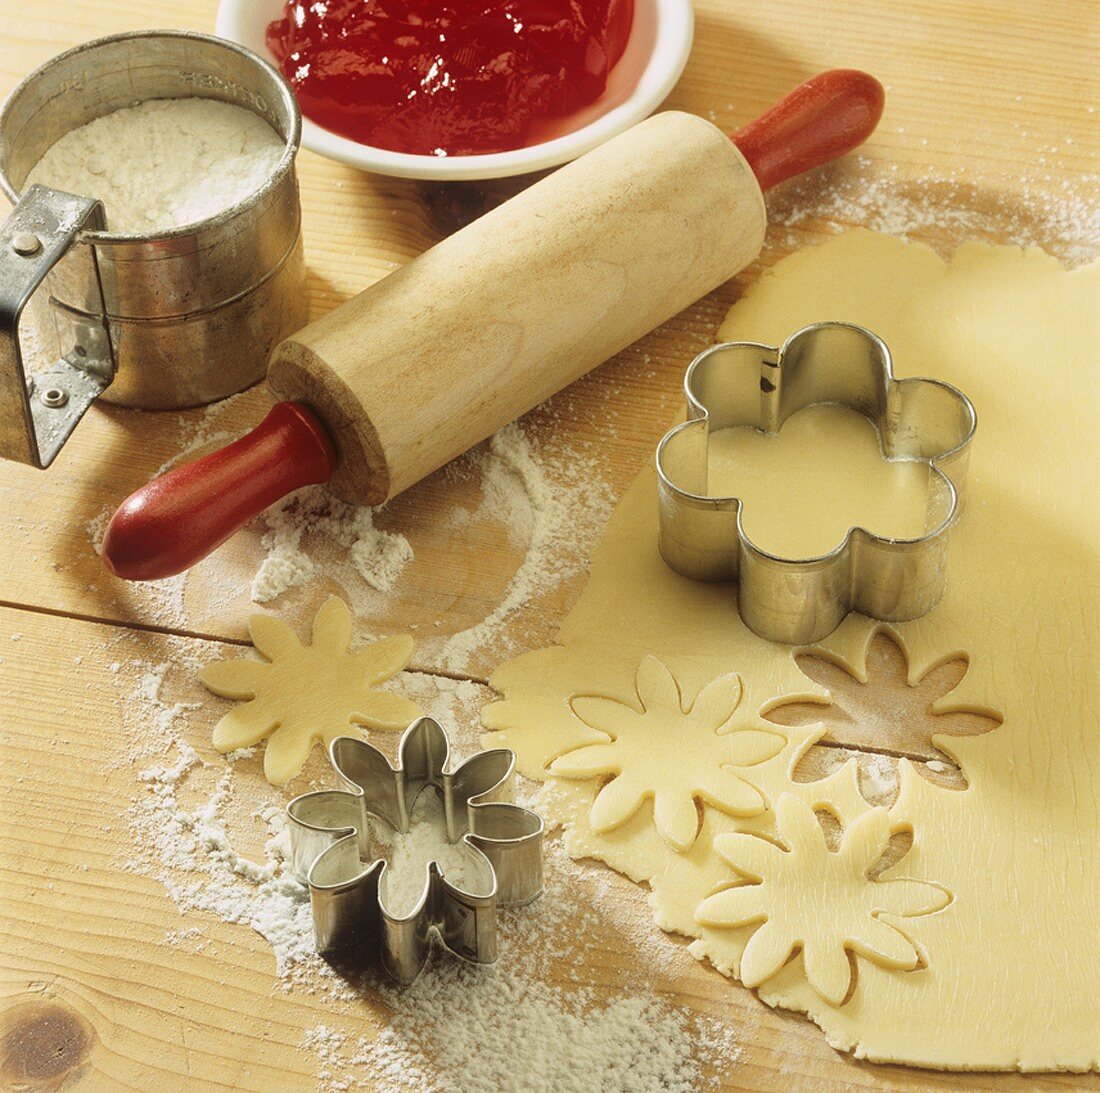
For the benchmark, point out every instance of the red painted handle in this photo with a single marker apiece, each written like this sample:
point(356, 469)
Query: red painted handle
point(819, 121)
point(176, 520)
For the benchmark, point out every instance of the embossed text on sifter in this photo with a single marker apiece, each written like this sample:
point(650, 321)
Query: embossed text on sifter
point(164, 320)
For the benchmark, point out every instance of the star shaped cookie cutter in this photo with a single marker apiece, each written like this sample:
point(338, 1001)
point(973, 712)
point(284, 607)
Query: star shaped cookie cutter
point(331, 835)
point(800, 600)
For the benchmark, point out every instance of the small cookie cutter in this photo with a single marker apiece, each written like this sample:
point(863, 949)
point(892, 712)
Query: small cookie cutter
point(330, 836)
point(749, 384)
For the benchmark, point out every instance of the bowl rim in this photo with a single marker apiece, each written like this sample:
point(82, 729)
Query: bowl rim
point(675, 24)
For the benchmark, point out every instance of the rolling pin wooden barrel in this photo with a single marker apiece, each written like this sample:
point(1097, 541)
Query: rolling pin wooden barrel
point(487, 324)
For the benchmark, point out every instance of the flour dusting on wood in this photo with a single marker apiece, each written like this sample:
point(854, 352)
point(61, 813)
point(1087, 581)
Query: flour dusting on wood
point(1061, 216)
point(532, 1018)
point(377, 557)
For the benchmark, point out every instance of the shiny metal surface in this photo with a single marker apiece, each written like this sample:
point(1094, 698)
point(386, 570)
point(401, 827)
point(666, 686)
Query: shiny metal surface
point(38, 413)
point(760, 386)
point(193, 312)
point(331, 851)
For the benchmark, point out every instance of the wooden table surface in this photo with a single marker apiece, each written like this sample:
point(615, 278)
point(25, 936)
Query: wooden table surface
point(989, 132)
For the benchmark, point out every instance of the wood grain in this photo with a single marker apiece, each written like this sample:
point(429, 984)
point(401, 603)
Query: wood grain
point(96, 992)
point(988, 110)
point(510, 309)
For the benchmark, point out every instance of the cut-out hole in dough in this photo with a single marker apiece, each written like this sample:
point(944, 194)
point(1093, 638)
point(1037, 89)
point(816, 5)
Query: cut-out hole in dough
point(901, 842)
point(830, 827)
point(886, 718)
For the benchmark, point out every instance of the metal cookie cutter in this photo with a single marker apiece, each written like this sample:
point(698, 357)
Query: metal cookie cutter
point(749, 384)
point(331, 850)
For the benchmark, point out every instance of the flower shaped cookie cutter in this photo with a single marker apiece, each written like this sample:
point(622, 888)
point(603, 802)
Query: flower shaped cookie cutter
point(330, 837)
point(800, 600)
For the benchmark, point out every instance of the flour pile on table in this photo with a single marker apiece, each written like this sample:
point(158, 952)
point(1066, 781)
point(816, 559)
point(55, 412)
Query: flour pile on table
point(377, 557)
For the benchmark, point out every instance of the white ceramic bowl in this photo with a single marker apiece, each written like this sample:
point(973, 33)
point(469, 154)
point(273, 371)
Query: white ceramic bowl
point(655, 55)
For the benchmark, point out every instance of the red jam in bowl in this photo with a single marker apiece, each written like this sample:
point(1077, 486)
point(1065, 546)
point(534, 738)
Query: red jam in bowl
point(459, 77)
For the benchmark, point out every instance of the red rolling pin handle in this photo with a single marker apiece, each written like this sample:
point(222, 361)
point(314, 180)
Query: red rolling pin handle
point(819, 121)
point(176, 520)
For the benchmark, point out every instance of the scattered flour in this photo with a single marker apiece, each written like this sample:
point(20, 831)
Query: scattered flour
point(880, 774)
point(378, 557)
point(97, 528)
point(558, 506)
point(1060, 215)
point(164, 163)
point(177, 938)
point(529, 1023)
point(552, 507)
point(407, 856)
point(497, 1028)
point(158, 717)
point(188, 851)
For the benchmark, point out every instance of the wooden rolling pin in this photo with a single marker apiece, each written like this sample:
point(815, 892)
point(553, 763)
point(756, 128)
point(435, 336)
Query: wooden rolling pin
point(439, 355)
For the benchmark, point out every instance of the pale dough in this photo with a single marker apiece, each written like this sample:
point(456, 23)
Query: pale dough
point(307, 693)
point(826, 465)
point(788, 910)
point(883, 708)
point(631, 751)
point(1009, 952)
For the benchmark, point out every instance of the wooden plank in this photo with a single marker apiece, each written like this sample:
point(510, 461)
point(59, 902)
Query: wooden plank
point(98, 984)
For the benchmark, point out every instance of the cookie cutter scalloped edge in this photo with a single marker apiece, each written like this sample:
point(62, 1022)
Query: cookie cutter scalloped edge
point(330, 835)
point(798, 601)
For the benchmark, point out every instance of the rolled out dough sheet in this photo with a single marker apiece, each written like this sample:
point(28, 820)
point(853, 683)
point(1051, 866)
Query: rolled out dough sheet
point(1007, 973)
point(810, 468)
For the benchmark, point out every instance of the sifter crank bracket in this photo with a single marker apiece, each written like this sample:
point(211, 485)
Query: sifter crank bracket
point(38, 412)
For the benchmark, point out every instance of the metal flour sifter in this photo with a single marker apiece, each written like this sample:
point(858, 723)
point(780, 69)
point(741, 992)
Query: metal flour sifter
point(162, 321)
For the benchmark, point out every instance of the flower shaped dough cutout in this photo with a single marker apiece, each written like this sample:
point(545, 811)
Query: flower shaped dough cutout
point(821, 902)
point(307, 693)
point(675, 756)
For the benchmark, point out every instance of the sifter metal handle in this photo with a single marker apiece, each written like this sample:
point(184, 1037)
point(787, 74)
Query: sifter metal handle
point(38, 412)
